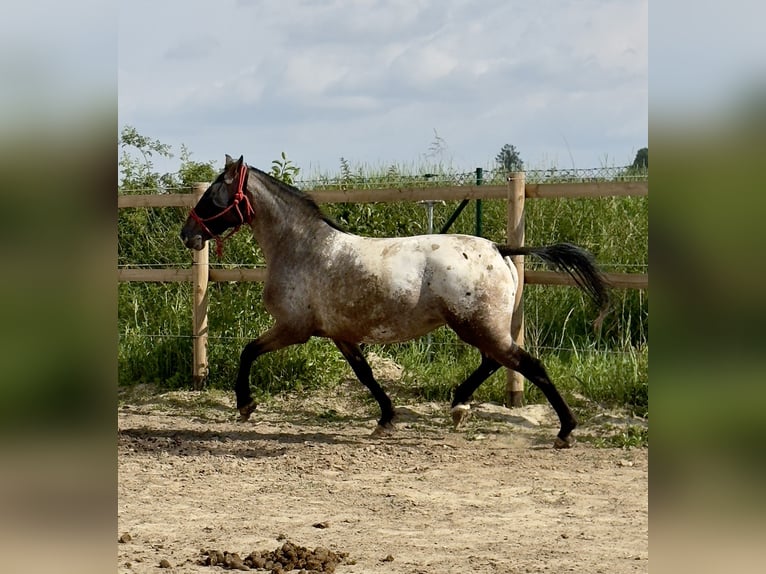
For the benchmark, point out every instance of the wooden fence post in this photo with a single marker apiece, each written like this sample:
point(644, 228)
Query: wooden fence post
point(200, 276)
point(514, 395)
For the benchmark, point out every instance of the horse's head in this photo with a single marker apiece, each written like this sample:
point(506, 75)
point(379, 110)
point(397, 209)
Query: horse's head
point(224, 205)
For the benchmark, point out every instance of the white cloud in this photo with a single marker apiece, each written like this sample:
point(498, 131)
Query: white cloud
point(371, 79)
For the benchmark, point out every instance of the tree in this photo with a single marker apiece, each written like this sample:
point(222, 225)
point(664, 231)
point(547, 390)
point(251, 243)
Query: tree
point(509, 159)
point(137, 172)
point(191, 171)
point(642, 159)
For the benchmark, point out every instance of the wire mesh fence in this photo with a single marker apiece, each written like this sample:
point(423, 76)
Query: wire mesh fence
point(393, 178)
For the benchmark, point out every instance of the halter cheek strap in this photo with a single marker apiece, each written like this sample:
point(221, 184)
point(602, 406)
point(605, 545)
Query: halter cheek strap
point(245, 216)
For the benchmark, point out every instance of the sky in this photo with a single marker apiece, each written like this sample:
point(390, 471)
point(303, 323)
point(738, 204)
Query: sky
point(377, 82)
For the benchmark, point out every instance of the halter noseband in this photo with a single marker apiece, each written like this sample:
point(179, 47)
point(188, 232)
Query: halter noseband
point(244, 217)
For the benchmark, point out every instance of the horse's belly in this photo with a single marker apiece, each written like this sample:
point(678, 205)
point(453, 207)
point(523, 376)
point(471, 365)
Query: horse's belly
point(380, 321)
point(397, 331)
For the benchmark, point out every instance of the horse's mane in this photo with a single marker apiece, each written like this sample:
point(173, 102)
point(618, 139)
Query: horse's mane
point(294, 194)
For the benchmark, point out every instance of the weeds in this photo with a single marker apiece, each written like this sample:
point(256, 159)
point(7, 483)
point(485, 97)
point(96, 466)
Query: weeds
point(630, 437)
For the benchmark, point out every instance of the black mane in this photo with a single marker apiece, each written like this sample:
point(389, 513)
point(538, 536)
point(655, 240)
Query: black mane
point(302, 198)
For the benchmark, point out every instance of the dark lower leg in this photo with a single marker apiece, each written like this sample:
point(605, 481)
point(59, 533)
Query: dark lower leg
point(242, 387)
point(362, 370)
point(272, 340)
point(467, 388)
point(533, 370)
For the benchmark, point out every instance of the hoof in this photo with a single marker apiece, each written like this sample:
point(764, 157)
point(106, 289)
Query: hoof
point(383, 430)
point(460, 414)
point(246, 411)
point(563, 443)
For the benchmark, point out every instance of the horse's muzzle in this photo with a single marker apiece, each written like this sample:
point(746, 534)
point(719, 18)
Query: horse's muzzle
point(193, 241)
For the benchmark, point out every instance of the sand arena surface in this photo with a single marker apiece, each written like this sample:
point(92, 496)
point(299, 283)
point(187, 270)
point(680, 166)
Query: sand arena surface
point(493, 497)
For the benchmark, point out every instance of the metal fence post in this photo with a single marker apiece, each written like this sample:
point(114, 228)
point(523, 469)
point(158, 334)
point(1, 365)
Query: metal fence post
point(479, 181)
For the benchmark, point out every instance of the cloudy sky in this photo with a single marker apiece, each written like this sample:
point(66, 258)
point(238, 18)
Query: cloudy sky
point(373, 81)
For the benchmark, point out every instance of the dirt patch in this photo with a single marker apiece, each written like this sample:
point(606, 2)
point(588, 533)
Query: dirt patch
point(494, 497)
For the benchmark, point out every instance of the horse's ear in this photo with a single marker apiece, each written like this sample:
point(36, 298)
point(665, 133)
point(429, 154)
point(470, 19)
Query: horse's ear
point(232, 168)
point(228, 161)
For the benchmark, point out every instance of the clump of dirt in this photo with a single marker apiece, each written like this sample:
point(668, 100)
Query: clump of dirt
point(385, 368)
point(287, 557)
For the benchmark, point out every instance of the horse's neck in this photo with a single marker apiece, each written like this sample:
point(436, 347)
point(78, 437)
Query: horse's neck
point(281, 232)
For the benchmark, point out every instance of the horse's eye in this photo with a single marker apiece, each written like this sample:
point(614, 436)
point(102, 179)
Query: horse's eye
point(220, 197)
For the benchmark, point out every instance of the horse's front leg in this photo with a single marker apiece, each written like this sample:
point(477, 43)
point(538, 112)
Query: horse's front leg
point(274, 339)
point(361, 367)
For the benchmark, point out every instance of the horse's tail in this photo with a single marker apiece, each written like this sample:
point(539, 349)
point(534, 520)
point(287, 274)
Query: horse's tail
point(575, 261)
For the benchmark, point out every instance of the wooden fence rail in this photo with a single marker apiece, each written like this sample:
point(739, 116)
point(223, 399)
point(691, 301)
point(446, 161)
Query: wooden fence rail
point(441, 193)
point(515, 192)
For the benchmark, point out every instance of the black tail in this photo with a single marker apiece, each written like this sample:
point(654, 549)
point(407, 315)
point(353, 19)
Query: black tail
point(575, 261)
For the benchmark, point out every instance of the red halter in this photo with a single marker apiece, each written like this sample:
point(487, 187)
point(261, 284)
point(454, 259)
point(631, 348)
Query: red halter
point(244, 217)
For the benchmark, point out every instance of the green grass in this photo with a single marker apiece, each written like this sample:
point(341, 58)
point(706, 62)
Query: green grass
point(631, 436)
point(607, 368)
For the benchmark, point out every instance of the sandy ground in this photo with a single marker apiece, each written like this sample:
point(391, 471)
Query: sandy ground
point(493, 497)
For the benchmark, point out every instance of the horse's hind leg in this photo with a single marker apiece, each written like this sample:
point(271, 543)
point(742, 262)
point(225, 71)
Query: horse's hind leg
point(275, 338)
point(532, 369)
point(463, 393)
point(361, 367)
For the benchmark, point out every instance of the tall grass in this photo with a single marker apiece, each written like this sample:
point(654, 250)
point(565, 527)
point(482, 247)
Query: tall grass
point(608, 367)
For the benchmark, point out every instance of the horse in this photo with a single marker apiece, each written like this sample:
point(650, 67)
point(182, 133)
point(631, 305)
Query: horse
point(323, 281)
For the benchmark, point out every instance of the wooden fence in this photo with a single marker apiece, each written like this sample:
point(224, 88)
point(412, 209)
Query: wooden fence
point(515, 192)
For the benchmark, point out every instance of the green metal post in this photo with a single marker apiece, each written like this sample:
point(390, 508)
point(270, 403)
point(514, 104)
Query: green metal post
point(479, 181)
point(453, 217)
